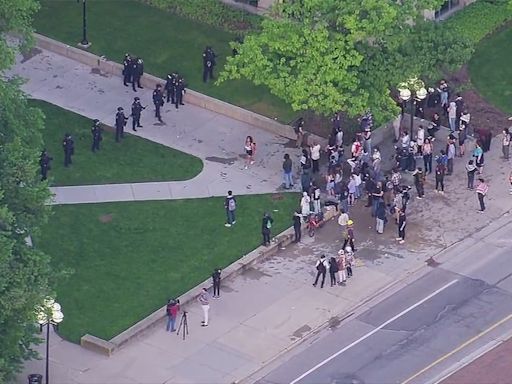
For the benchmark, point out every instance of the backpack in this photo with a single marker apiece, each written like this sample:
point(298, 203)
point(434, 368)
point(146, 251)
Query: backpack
point(231, 204)
point(320, 267)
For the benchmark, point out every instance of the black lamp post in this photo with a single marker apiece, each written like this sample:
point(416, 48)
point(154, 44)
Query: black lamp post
point(412, 90)
point(49, 314)
point(84, 42)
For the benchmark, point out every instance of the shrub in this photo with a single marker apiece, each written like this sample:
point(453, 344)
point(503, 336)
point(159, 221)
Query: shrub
point(212, 12)
point(479, 19)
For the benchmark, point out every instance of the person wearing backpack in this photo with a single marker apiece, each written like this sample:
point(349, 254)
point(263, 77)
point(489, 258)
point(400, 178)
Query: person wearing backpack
point(172, 309)
point(230, 206)
point(266, 225)
point(333, 270)
point(321, 269)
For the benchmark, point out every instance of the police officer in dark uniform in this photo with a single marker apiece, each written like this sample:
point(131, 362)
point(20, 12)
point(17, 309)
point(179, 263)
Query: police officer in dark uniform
point(136, 111)
point(96, 135)
point(69, 149)
point(158, 100)
point(137, 72)
point(170, 86)
point(127, 70)
point(44, 162)
point(208, 63)
point(180, 91)
point(121, 120)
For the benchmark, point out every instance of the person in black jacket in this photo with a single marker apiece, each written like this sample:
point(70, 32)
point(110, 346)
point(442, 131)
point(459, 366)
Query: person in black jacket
point(266, 225)
point(121, 120)
point(158, 101)
point(333, 270)
point(170, 86)
point(44, 163)
point(297, 222)
point(180, 91)
point(137, 108)
point(137, 72)
point(208, 63)
point(96, 135)
point(216, 282)
point(127, 70)
point(68, 145)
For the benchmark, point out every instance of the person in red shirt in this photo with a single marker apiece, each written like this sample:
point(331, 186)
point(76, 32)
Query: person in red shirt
point(173, 308)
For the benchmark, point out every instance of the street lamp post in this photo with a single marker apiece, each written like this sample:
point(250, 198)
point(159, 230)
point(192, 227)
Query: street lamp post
point(84, 43)
point(412, 90)
point(49, 314)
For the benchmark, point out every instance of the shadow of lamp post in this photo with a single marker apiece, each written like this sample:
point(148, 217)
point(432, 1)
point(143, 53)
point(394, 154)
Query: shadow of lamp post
point(412, 91)
point(49, 314)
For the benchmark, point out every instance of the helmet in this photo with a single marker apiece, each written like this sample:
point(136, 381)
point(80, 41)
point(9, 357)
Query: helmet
point(119, 109)
point(350, 222)
point(136, 99)
point(348, 249)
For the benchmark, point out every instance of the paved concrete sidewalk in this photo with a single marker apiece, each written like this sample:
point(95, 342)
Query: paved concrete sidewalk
point(216, 139)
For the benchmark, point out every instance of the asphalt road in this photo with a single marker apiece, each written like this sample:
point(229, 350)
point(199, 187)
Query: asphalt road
point(419, 332)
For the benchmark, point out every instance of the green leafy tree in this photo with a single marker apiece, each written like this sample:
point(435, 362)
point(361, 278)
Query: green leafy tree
point(24, 271)
point(329, 55)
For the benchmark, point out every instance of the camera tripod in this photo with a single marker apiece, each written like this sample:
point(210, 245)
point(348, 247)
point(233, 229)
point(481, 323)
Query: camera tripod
point(184, 324)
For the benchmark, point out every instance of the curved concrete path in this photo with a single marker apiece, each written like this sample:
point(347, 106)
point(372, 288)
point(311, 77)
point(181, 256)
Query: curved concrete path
point(216, 139)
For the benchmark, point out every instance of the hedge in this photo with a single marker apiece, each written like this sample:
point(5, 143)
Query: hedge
point(479, 19)
point(211, 12)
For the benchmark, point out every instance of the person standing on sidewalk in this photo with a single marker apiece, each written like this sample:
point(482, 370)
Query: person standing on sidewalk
point(158, 101)
point(450, 154)
point(440, 171)
point(350, 260)
point(380, 218)
point(481, 191)
point(204, 300)
point(216, 282)
point(505, 144)
point(419, 182)
point(137, 109)
point(250, 151)
point(315, 156)
point(402, 222)
point(478, 154)
point(173, 307)
point(349, 235)
point(333, 270)
point(343, 220)
point(230, 206)
point(321, 269)
point(297, 222)
point(342, 267)
point(266, 225)
point(287, 172)
point(121, 120)
point(471, 170)
point(427, 155)
point(299, 131)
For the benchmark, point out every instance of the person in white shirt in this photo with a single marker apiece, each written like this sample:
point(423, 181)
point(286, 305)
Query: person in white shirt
point(315, 156)
point(339, 138)
point(420, 140)
point(343, 220)
point(304, 204)
point(452, 116)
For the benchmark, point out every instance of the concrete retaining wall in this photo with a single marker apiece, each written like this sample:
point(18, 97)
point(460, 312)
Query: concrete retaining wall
point(192, 97)
point(282, 240)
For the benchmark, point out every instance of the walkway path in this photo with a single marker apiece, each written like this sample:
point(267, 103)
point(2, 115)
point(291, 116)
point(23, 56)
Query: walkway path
point(216, 139)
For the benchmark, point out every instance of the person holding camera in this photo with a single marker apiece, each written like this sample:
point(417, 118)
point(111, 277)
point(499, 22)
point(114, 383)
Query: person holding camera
point(173, 308)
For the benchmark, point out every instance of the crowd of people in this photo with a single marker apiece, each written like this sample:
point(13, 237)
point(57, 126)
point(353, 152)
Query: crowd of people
point(354, 172)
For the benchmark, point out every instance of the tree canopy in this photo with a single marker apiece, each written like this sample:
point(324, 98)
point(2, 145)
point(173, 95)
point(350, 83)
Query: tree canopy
point(331, 55)
point(24, 271)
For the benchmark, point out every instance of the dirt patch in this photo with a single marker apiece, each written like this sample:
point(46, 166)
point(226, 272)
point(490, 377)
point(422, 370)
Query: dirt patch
point(106, 218)
point(221, 160)
point(96, 71)
point(277, 196)
point(26, 56)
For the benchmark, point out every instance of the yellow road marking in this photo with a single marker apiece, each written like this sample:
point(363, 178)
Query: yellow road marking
point(465, 344)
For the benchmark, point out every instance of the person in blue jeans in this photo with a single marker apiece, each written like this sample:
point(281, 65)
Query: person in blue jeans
point(287, 172)
point(230, 206)
point(173, 307)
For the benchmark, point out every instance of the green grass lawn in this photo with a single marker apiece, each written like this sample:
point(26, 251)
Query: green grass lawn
point(166, 42)
point(129, 258)
point(134, 160)
point(491, 69)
